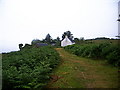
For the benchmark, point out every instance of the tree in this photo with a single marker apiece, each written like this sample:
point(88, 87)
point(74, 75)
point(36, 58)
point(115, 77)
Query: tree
point(79, 40)
point(67, 33)
point(58, 41)
point(20, 46)
point(76, 40)
point(82, 38)
point(48, 39)
point(27, 46)
point(34, 41)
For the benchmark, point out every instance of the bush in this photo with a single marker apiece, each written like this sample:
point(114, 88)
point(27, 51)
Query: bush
point(114, 56)
point(29, 68)
point(103, 51)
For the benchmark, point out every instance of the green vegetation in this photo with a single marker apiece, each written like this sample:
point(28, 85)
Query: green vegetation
point(112, 41)
point(78, 72)
point(32, 66)
point(108, 51)
point(48, 40)
point(29, 68)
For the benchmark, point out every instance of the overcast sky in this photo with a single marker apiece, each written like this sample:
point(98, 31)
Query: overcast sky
point(21, 21)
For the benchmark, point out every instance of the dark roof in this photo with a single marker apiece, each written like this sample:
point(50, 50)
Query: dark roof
point(41, 44)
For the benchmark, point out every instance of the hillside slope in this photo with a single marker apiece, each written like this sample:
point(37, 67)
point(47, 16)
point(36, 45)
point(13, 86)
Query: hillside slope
point(77, 72)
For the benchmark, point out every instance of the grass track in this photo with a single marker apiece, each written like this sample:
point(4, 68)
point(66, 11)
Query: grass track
point(77, 72)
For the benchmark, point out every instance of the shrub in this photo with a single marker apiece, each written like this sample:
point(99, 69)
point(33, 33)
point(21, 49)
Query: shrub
point(103, 51)
point(29, 68)
point(114, 56)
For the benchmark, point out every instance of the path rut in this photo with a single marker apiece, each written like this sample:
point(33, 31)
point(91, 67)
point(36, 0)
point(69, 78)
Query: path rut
point(76, 72)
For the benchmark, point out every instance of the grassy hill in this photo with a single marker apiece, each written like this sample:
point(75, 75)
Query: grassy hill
point(81, 66)
point(78, 72)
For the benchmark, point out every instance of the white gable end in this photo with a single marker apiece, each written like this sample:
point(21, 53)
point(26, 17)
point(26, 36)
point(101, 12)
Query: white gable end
point(66, 42)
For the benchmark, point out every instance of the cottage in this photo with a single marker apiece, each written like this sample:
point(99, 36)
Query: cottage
point(66, 41)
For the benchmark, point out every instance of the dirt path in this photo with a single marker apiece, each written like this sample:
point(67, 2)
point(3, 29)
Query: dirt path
point(77, 72)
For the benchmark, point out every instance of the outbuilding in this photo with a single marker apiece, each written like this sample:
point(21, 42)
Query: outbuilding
point(66, 41)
